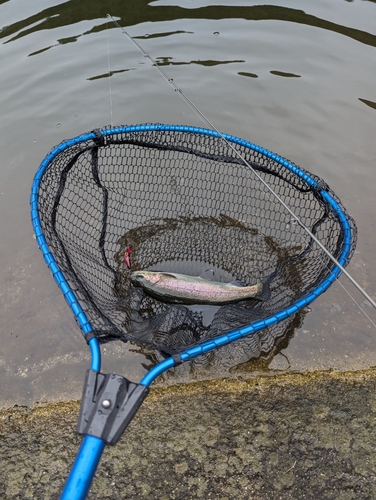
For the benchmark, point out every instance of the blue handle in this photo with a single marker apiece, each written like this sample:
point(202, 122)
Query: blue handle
point(83, 469)
point(90, 452)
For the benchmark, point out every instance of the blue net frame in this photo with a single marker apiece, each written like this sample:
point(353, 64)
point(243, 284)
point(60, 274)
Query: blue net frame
point(95, 138)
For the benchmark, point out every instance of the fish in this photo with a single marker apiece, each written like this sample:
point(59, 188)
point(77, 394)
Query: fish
point(127, 257)
point(184, 289)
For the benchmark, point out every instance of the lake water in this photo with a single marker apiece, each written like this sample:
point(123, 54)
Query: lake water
point(297, 78)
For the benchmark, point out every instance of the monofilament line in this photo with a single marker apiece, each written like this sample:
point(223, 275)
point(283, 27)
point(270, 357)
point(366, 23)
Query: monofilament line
point(205, 120)
point(109, 76)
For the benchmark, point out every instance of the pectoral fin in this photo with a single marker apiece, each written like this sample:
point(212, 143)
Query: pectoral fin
point(207, 275)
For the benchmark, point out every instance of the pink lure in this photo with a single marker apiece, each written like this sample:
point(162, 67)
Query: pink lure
point(127, 257)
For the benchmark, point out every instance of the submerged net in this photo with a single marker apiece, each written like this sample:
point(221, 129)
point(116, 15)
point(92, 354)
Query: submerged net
point(184, 202)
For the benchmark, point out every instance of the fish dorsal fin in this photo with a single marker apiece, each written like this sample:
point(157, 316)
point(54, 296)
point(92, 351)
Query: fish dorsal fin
point(237, 283)
point(169, 275)
point(207, 275)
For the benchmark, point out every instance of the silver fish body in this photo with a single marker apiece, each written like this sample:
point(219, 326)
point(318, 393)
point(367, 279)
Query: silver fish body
point(183, 289)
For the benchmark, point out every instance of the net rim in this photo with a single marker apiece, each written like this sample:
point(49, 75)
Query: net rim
point(254, 327)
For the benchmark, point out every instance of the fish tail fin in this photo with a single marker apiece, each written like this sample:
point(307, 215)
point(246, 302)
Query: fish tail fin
point(265, 291)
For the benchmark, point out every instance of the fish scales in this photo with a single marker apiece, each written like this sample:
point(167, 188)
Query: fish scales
point(184, 289)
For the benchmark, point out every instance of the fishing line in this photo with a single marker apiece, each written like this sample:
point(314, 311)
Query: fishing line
point(356, 302)
point(109, 75)
point(205, 120)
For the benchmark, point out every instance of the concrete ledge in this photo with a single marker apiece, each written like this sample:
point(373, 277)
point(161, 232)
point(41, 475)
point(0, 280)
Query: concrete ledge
point(290, 436)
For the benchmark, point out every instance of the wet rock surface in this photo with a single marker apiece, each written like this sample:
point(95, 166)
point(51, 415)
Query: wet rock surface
point(290, 436)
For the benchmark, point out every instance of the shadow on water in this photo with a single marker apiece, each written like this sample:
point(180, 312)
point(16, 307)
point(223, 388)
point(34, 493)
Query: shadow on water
point(136, 11)
point(172, 246)
point(248, 356)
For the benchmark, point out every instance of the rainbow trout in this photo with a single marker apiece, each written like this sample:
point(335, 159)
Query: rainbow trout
point(183, 289)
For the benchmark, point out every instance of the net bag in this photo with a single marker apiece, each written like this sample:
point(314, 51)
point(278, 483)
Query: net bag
point(178, 199)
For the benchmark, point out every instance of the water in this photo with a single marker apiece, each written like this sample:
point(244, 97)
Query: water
point(296, 78)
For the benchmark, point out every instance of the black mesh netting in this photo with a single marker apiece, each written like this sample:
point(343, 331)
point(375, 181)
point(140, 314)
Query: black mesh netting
point(185, 202)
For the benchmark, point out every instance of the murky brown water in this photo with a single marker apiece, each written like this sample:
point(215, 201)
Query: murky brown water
point(297, 79)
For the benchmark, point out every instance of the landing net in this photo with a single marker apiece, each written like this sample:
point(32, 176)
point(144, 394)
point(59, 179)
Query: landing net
point(177, 199)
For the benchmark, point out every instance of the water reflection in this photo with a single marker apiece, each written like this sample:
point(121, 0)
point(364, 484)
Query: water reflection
point(167, 61)
point(251, 354)
point(109, 74)
point(167, 33)
point(250, 75)
point(138, 11)
point(285, 75)
point(371, 104)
